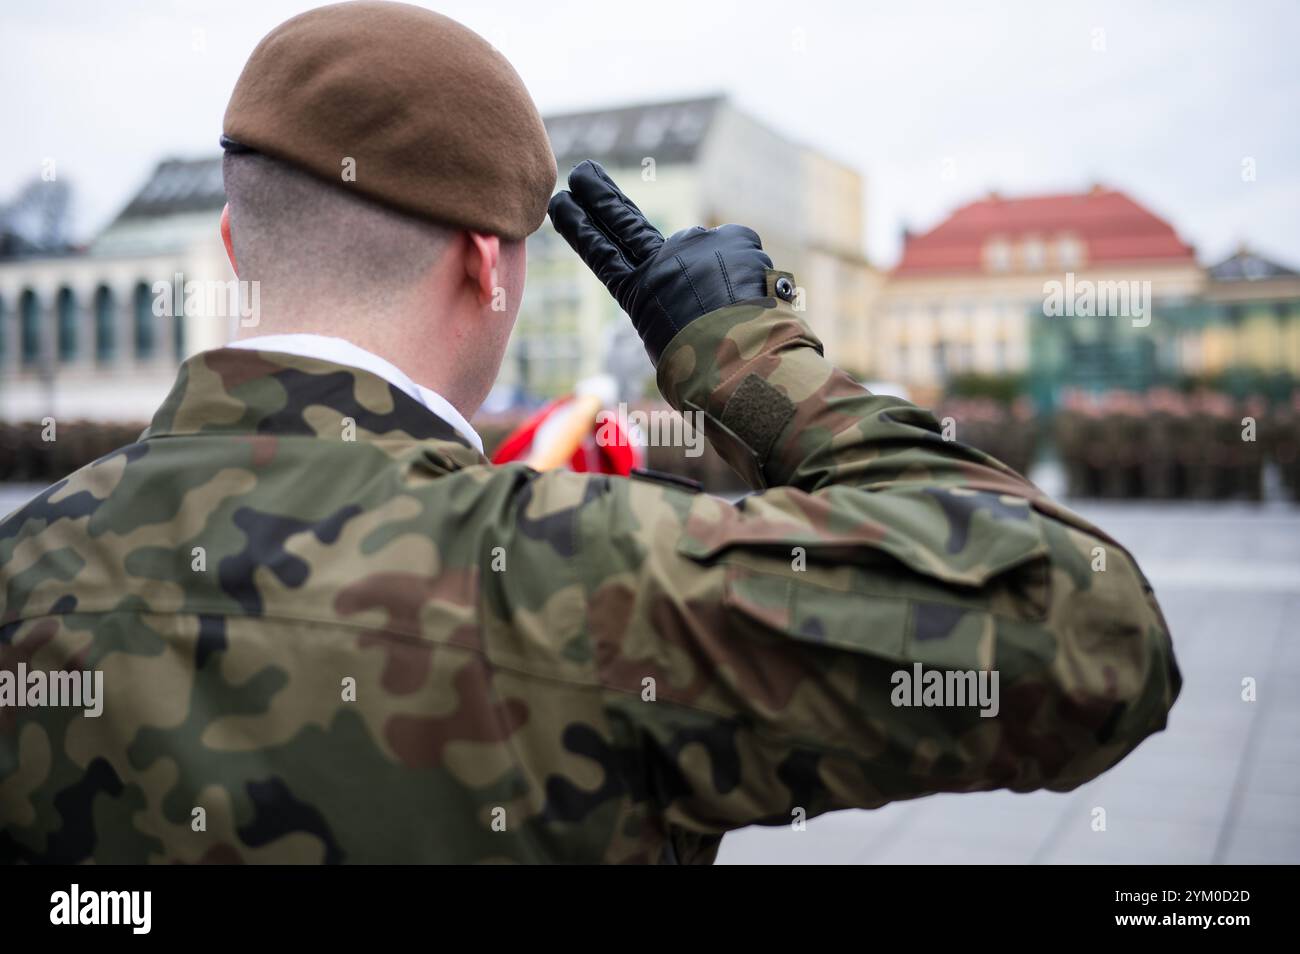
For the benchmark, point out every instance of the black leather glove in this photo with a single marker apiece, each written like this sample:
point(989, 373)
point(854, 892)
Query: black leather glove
point(663, 285)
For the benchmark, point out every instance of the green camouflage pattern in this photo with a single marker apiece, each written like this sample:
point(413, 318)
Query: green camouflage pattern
point(550, 667)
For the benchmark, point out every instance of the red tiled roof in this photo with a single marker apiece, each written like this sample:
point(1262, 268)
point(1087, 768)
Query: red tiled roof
point(1110, 225)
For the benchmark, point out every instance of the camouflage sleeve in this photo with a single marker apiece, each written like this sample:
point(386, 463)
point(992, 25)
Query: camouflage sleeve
point(779, 655)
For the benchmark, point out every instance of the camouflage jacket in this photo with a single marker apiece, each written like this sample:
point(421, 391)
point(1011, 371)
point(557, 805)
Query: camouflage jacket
point(316, 648)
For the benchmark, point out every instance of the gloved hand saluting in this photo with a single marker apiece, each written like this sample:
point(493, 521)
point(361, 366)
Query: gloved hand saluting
point(663, 285)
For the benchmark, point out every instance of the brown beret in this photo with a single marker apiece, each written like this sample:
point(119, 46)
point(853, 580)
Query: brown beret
point(438, 122)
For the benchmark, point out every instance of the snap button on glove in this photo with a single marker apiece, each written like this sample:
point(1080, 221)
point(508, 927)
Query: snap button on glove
point(662, 284)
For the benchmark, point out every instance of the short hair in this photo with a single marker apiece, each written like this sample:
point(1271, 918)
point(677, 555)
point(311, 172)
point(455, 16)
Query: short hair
point(309, 239)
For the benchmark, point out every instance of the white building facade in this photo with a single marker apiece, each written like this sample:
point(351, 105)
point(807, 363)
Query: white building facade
point(80, 337)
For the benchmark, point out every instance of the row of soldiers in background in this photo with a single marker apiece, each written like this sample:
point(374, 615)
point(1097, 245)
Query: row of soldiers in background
point(44, 453)
point(1165, 444)
point(41, 453)
point(36, 453)
point(1008, 431)
point(1162, 444)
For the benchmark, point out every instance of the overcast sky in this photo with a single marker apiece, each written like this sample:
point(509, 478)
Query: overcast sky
point(936, 103)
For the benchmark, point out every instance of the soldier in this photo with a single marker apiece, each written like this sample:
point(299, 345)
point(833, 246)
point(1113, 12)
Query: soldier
point(1250, 451)
point(1285, 425)
point(1156, 443)
point(1070, 429)
point(330, 630)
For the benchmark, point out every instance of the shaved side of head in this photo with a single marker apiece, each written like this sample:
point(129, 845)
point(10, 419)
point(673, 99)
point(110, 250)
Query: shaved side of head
point(315, 248)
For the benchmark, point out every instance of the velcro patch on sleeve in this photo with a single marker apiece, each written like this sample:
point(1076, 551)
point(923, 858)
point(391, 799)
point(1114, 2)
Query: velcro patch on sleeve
point(757, 413)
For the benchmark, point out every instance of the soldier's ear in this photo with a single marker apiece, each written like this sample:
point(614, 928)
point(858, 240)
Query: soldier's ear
point(481, 264)
point(225, 238)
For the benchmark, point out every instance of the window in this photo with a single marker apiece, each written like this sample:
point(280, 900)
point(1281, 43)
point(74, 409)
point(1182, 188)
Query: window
point(66, 312)
point(143, 323)
point(1035, 255)
point(178, 320)
point(1069, 252)
point(105, 325)
point(998, 255)
point(29, 317)
point(178, 337)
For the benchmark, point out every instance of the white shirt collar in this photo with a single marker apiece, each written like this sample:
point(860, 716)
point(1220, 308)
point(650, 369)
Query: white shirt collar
point(342, 351)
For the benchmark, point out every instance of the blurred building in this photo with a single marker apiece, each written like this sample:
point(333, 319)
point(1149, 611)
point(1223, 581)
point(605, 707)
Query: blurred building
point(1247, 324)
point(968, 296)
point(79, 337)
point(693, 162)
